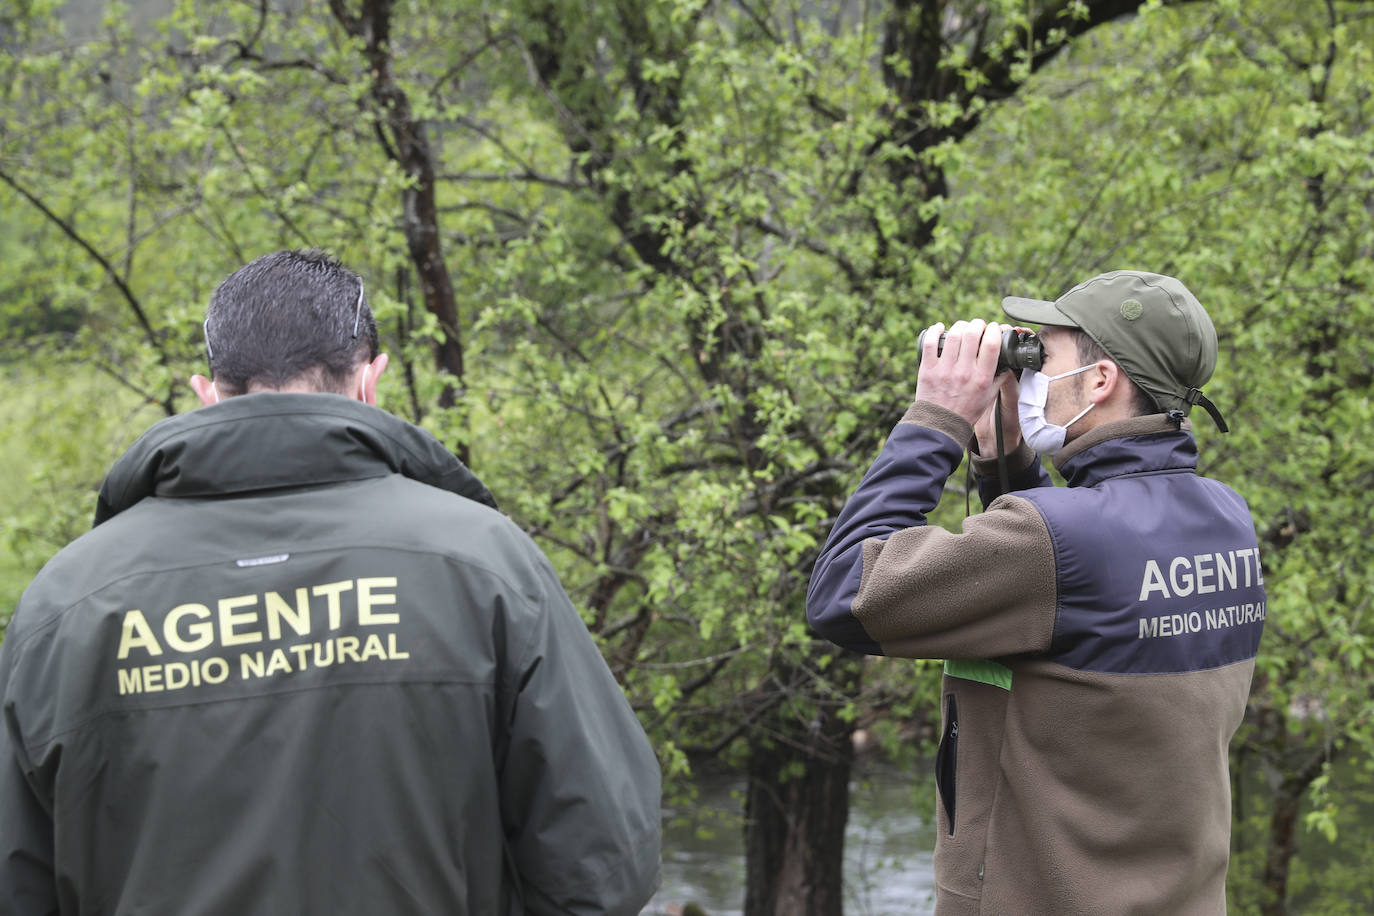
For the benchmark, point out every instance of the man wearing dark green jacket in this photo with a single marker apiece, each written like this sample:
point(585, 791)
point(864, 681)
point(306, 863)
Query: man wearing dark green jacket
point(301, 665)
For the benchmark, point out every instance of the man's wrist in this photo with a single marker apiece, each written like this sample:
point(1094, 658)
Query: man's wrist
point(988, 447)
point(1018, 459)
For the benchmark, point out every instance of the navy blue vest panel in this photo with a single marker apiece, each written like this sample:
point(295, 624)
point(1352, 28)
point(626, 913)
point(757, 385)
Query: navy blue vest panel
point(1158, 569)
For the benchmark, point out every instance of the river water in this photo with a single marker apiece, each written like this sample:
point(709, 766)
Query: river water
point(891, 837)
point(888, 846)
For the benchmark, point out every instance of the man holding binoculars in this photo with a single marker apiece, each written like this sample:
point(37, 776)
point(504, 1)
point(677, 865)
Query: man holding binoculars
point(1099, 638)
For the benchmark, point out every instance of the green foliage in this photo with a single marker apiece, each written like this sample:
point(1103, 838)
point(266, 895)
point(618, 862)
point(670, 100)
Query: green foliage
point(55, 473)
point(1330, 874)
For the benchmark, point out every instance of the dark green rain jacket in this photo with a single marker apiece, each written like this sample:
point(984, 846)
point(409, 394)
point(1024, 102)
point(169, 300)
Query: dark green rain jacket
point(299, 667)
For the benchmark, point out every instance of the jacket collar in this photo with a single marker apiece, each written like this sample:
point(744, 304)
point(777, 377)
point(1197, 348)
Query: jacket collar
point(1133, 446)
point(260, 442)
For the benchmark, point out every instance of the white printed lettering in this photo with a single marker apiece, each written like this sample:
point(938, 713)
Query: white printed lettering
point(1183, 585)
point(1204, 572)
point(1152, 581)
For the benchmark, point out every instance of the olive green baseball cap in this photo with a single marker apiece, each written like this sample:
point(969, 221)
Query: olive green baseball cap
point(1149, 324)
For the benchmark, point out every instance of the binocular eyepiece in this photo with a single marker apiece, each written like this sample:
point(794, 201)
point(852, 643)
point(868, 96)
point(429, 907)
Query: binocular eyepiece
point(1020, 350)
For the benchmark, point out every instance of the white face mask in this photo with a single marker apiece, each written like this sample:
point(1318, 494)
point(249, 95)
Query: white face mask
point(1039, 433)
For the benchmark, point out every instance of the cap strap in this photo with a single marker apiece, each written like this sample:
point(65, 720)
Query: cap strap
point(1195, 396)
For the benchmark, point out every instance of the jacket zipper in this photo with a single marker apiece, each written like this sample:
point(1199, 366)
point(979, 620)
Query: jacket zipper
point(947, 760)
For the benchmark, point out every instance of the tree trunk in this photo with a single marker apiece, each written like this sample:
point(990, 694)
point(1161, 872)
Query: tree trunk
point(797, 801)
point(403, 138)
point(1283, 845)
point(1283, 834)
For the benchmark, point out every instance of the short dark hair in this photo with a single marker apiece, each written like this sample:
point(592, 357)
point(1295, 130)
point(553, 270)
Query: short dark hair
point(289, 316)
point(1089, 351)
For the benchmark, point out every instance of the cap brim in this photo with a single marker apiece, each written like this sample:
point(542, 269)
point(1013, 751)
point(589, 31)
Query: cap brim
point(1036, 311)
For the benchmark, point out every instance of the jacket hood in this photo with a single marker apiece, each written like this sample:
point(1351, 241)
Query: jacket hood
point(258, 442)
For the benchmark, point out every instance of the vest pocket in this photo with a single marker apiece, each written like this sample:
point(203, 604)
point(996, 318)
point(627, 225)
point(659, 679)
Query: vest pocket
point(947, 760)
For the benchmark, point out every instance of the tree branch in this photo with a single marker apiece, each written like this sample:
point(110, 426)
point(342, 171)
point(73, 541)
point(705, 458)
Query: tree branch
point(140, 314)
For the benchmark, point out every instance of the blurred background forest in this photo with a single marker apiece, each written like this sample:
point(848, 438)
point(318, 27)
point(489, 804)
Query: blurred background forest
point(655, 270)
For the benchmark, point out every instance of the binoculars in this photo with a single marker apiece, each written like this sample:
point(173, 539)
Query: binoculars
point(1020, 350)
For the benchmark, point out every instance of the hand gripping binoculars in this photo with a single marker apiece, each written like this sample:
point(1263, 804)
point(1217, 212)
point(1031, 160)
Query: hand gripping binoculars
point(1020, 350)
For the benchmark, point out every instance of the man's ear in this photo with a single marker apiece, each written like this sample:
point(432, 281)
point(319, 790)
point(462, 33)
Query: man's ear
point(205, 390)
point(1104, 382)
point(371, 373)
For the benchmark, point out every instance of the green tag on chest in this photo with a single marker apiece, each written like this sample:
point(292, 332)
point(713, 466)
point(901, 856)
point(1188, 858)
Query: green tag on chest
point(981, 670)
